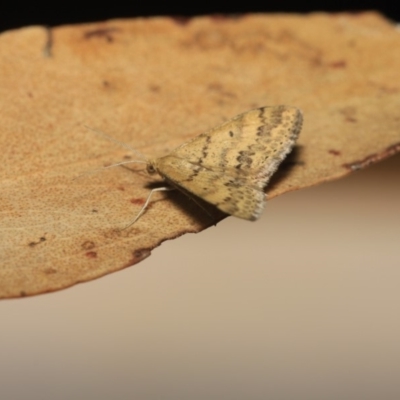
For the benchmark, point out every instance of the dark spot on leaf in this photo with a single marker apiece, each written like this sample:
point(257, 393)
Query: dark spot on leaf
point(334, 152)
point(105, 33)
point(154, 88)
point(50, 271)
point(338, 64)
point(137, 201)
point(88, 245)
point(41, 240)
point(91, 254)
point(141, 253)
point(349, 114)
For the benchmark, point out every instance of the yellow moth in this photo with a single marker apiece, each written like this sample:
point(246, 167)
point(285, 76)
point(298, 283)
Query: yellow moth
point(230, 165)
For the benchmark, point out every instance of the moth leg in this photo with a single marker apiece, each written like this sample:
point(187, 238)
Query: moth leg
point(160, 189)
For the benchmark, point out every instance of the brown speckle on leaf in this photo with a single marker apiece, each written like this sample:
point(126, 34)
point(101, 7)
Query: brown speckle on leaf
point(349, 114)
point(154, 88)
point(91, 254)
point(50, 271)
point(338, 64)
point(138, 201)
point(141, 253)
point(106, 33)
point(88, 245)
point(220, 90)
point(41, 240)
point(138, 255)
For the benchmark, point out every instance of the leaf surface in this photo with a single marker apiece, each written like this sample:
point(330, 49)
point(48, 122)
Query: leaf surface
point(154, 84)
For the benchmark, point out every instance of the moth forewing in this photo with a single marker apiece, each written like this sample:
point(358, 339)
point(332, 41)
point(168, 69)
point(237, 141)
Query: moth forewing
point(229, 166)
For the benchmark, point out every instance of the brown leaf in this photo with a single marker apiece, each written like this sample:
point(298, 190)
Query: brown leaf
point(154, 84)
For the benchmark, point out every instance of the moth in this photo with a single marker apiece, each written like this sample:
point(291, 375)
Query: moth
point(230, 165)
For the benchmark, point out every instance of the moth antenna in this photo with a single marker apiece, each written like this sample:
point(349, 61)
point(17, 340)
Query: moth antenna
point(111, 139)
point(94, 171)
point(122, 144)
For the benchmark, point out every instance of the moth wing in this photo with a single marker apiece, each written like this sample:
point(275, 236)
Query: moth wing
point(231, 194)
point(253, 143)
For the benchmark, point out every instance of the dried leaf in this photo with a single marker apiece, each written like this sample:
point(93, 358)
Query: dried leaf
point(154, 84)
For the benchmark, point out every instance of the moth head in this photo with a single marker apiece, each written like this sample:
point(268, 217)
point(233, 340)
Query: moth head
point(151, 168)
